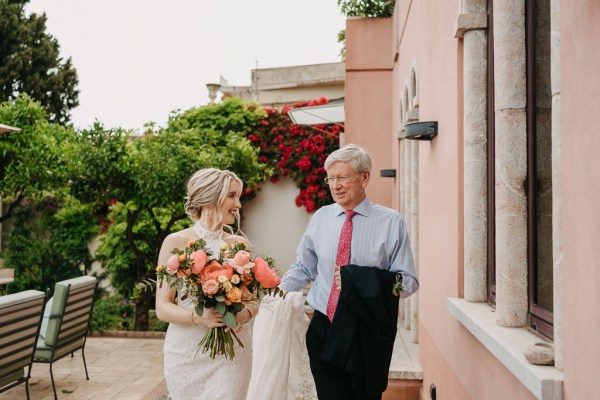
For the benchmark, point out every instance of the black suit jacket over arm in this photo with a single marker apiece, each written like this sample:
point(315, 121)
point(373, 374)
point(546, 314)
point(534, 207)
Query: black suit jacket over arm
point(362, 333)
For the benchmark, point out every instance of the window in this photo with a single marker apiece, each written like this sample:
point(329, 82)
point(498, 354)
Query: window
point(539, 181)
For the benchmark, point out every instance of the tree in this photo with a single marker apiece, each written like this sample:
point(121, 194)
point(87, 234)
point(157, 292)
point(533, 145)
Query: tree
point(367, 8)
point(48, 241)
point(30, 62)
point(50, 230)
point(31, 160)
point(144, 181)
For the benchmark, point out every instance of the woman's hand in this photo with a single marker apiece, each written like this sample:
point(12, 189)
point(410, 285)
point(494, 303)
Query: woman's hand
point(210, 318)
point(243, 316)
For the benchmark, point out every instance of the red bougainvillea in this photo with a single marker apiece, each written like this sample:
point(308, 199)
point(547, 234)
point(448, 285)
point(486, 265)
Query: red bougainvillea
point(298, 151)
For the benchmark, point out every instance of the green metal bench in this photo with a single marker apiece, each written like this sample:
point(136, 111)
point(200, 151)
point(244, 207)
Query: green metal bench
point(20, 320)
point(65, 324)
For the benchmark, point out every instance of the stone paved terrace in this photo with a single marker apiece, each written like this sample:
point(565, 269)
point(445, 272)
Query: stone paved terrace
point(130, 367)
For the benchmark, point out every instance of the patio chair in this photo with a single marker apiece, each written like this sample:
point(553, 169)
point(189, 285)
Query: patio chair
point(20, 320)
point(7, 276)
point(65, 324)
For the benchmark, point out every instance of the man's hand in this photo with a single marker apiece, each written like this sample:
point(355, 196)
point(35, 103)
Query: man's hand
point(338, 278)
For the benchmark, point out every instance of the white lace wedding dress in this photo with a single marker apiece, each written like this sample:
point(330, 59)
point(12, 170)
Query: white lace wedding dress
point(192, 375)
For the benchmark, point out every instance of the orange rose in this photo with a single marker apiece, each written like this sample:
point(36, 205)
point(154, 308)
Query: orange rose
point(234, 295)
point(160, 269)
point(265, 275)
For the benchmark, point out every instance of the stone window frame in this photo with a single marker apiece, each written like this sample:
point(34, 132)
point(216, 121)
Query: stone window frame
point(409, 192)
point(486, 323)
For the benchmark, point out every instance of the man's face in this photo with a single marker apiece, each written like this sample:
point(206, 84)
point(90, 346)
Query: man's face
point(347, 187)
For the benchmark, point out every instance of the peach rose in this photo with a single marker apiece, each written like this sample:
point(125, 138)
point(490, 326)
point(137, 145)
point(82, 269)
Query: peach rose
point(198, 261)
point(160, 269)
point(242, 257)
point(234, 295)
point(213, 270)
point(241, 262)
point(265, 275)
point(173, 264)
point(210, 287)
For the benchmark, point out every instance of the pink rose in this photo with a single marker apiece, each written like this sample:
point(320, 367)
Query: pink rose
point(198, 261)
point(210, 287)
point(241, 262)
point(241, 258)
point(265, 275)
point(173, 264)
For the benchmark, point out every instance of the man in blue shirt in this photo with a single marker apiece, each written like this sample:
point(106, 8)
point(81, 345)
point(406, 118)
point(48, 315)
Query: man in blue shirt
point(379, 239)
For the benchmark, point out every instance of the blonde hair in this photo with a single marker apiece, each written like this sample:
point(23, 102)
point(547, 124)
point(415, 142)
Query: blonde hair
point(207, 188)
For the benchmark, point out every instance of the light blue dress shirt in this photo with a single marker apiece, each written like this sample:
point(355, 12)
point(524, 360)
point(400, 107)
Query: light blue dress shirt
point(379, 239)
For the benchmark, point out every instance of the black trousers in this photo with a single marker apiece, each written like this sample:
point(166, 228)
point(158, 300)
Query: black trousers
point(332, 382)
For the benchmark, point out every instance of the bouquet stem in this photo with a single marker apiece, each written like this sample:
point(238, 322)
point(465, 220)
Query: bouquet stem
point(219, 341)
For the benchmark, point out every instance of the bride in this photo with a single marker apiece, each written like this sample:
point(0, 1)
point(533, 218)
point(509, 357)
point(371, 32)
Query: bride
point(213, 203)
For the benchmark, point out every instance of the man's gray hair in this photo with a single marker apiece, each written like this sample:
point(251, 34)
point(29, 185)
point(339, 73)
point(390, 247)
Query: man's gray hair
point(358, 157)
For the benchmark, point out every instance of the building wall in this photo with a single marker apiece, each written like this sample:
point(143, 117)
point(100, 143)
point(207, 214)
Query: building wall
point(274, 87)
point(580, 84)
point(273, 222)
point(368, 115)
point(422, 36)
point(426, 45)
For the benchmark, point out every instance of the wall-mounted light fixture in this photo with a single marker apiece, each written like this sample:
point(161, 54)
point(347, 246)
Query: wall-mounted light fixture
point(420, 130)
point(387, 173)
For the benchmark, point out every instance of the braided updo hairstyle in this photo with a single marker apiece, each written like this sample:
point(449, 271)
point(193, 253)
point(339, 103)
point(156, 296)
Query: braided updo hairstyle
point(208, 188)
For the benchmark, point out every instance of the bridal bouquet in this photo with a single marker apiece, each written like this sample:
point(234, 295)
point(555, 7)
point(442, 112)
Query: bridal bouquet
point(224, 283)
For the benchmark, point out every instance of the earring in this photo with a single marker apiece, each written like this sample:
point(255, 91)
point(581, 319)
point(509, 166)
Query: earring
point(209, 217)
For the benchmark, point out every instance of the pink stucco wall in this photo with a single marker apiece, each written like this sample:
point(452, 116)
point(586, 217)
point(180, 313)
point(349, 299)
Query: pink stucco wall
point(580, 85)
point(368, 115)
point(422, 34)
point(450, 356)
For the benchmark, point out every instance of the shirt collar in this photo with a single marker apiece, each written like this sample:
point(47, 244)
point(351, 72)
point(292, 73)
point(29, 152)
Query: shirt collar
point(362, 208)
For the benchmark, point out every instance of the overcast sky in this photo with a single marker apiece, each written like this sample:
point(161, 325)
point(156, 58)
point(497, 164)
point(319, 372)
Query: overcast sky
point(138, 60)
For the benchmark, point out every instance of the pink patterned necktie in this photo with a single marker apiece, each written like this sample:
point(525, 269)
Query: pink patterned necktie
point(342, 258)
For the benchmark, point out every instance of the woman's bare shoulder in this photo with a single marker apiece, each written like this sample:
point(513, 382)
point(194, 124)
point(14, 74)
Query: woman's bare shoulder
point(180, 238)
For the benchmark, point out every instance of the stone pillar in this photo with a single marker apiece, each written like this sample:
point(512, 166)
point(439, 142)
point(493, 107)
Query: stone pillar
point(475, 148)
point(511, 163)
point(406, 213)
point(557, 241)
point(414, 233)
point(402, 208)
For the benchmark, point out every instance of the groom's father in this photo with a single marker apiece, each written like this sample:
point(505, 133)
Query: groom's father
point(351, 231)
